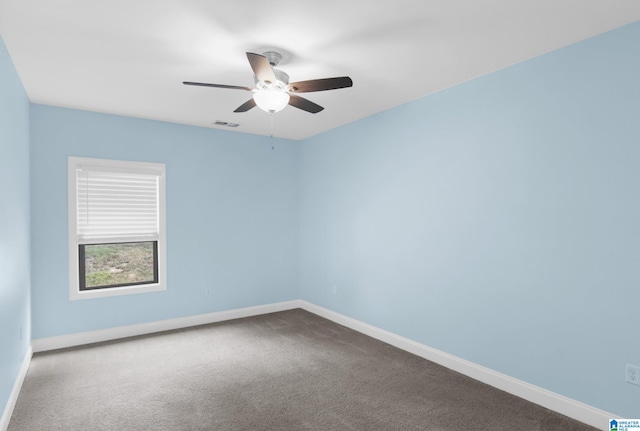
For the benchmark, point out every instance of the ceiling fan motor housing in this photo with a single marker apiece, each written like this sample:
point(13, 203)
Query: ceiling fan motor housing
point(282, 81)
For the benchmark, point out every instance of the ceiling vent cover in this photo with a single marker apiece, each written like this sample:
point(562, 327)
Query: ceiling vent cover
point(225, 123)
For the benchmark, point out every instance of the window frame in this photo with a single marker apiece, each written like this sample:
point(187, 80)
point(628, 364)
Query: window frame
point(74, 244)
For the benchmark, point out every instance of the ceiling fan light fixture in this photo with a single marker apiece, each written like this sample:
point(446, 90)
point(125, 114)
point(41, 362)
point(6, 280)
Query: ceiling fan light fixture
point(271, 101)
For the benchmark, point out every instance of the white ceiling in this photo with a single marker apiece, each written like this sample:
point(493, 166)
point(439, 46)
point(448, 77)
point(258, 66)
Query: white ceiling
point(129, 57)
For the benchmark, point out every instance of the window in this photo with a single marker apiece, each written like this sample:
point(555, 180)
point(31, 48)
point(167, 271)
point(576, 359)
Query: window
point(116, 227)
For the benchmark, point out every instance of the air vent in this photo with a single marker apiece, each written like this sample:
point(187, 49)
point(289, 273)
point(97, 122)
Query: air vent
point(225, 123)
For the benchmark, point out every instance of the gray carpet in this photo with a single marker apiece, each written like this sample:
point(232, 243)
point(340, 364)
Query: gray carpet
point(283, 371)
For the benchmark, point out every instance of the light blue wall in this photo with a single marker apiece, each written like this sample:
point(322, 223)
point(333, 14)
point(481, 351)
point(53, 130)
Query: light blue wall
point(498, 220)
point(232, 218)
point(15, 318)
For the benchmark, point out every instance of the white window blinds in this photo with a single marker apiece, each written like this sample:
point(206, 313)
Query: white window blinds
point(117, 204)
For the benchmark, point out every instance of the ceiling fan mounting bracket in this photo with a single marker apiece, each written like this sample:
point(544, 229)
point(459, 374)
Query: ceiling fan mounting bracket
point(273, 58)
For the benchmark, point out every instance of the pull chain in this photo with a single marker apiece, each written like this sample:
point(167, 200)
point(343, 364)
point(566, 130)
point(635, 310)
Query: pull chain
point(271, 125)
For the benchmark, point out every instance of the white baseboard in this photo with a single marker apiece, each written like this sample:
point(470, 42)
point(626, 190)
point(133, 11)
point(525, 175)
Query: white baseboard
point(558, 403)
point(15, 391)
point(82, 338)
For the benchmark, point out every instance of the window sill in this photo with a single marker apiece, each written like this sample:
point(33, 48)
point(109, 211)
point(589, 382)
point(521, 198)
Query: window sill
point(116, 291)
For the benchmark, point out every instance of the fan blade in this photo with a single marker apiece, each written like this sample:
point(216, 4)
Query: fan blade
point(246, 106)
point(261, 67)
point(202, 84)
point(304, 104)
point(320, 84)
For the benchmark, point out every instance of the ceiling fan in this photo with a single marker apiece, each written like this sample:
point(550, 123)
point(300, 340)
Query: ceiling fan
point(273, 91)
